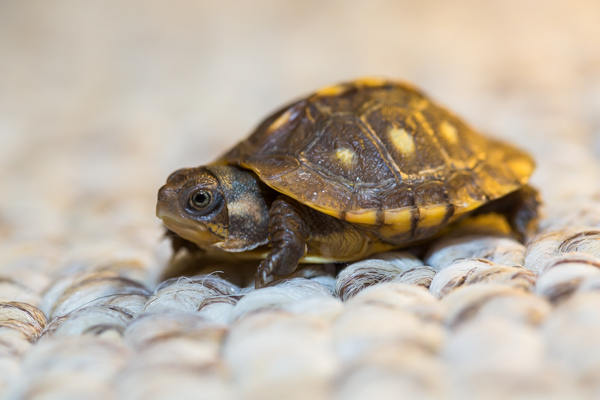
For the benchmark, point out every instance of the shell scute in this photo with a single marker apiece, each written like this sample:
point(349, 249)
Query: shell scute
point(392, 198)
point(495, 180)
point(463, 191)
point(406, 139)
point(348, 135)
point(431, 193)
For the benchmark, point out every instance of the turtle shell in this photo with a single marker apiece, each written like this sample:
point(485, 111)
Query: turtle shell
point(379, 152)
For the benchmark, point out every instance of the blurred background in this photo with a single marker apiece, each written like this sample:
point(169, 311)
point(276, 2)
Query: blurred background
point(101, 99)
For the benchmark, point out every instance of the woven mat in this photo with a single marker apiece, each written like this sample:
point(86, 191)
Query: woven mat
point(101, 100)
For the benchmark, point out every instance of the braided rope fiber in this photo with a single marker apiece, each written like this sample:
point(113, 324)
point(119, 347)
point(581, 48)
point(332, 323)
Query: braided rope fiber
point(487, 317)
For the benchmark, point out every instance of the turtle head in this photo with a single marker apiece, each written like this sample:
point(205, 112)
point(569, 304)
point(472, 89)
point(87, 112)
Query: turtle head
point(216, 206)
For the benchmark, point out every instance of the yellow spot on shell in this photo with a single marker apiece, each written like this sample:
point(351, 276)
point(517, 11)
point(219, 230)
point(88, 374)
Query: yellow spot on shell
point(449, 132)
point(346, 156)
point(431, 216)
point(370, 81)
point(279, 122)
point(331, 90)
point(402, 140)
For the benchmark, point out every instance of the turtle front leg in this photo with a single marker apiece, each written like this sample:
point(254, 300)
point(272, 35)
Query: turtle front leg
point(287, 235)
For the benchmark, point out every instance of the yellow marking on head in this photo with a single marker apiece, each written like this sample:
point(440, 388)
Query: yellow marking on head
point(217, 230)
point(362, 217)
point(346, 156)
point(431, 216)
point(522, 168)
point(331, 90)
point(278, 123)
point(449, 132)
point(402, 140)
point(370, 81)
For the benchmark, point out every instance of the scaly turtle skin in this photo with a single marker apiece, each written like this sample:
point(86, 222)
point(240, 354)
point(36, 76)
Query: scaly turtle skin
point(351, 170)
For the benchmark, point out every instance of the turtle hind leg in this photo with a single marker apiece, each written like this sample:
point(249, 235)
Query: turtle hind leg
point(521, 209)
point(287, 234)
point(524, 218)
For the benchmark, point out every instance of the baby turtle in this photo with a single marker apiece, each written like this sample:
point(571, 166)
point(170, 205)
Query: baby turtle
point(351, 170)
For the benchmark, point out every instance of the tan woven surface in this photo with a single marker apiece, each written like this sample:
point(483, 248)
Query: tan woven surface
point(101, 100)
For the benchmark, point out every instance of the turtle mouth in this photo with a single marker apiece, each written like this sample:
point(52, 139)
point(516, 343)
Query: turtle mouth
point(198, 234)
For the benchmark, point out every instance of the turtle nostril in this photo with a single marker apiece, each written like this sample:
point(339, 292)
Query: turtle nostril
point(163, 194)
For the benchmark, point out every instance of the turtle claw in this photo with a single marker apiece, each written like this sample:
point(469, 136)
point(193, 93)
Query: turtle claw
point(263, 273)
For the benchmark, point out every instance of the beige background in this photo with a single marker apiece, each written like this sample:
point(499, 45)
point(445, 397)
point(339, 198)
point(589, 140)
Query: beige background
point(101, 100)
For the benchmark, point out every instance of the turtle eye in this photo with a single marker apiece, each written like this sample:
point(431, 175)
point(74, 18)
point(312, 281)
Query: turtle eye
point(200, 200)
